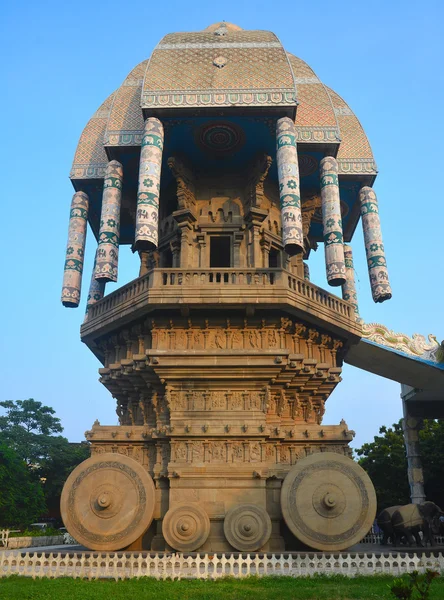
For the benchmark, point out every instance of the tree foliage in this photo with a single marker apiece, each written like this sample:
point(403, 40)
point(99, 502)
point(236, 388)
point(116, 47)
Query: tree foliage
point(385, 461)
point(21, 495)
point(28, 428)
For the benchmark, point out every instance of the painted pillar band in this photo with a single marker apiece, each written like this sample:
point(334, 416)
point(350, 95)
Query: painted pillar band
point(107, 256)
point(374, 248)
point(75, 250)
point(332, 221)
point(96, 289)
point(149, 186)
point(349, 287)
point(288, 173)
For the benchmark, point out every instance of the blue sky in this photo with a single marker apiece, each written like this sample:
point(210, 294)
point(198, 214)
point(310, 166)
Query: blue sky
point(64, 59)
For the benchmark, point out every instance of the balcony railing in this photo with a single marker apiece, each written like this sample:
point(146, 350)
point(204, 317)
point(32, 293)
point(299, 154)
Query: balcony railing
point(235, 286)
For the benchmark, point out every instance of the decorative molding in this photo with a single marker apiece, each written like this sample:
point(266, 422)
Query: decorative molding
point(349, 166)
point(213, 97)
point(414, 346)
point(344, 111)
point(88, 171)
point(123, 138)
point(317, 134)
point(224, 44)
point(306, 80)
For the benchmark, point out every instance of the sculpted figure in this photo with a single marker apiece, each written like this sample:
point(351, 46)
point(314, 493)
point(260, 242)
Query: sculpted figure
point(385, 524)
point(410, 519)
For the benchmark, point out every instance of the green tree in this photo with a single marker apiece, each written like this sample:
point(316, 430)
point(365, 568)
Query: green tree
point(21, 495)
point(25, 427)
point(385, 461)
point(29, 428)
point(431, 445)
point(62, 458)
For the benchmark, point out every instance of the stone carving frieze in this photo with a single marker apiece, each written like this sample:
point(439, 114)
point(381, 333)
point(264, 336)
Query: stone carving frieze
point(216, 400)
point(218, 452)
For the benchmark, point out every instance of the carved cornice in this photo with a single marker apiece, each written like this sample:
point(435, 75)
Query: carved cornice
point(416, 345)
point(258, 172)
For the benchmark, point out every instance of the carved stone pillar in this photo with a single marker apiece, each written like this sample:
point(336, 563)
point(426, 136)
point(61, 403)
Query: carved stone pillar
point(411, 427)
point(265, 247)
point(374, 248)
point(237, 256)
point(185, 258)
point(107, 255)
point(254, 219)
point(332, 221)
point(75, 250)
point(204, 257)
point(175, 247)
point(288, 173)
point(147, 215)
point(349, 287)
point(306, 272)
point(185, 220)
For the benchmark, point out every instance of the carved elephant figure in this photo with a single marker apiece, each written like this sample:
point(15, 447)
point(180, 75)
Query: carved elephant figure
point(384, 521)
point(411, 519)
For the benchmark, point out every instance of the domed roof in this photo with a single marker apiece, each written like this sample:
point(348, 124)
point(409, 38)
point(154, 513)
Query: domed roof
point(234, 72)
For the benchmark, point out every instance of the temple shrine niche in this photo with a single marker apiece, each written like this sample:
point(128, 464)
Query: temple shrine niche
point(224, 163)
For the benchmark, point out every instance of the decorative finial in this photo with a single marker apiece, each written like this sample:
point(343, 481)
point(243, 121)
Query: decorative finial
point(221, 30)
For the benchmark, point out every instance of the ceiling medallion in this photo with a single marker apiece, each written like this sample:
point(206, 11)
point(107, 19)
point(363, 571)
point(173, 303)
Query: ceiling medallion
point(220, 137)
point(307, 165)
point(220, 62)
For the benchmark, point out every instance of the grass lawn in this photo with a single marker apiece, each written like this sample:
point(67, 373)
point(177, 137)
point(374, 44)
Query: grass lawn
point(265, 588)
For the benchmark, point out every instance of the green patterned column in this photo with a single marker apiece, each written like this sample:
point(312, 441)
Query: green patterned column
point(349, 287)
point(332, 221)
point(306, 271)
point(107, 256)
point(75, 250)
point(374, 248)
point(149, 186)
point(288, 173)
point(96, 289)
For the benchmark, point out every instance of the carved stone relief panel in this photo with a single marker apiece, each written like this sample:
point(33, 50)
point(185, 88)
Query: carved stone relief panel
point(217, 452)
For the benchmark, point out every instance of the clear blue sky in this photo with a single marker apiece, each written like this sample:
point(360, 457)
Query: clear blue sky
point(62, 59)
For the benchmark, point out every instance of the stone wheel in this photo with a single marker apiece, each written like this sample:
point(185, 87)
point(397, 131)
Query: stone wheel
point(328, 501)
point(247, 527)
point(186, 527)
point(108, 502)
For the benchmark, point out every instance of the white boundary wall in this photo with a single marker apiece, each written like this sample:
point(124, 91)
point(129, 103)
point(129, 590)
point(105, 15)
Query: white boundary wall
point(125, 565)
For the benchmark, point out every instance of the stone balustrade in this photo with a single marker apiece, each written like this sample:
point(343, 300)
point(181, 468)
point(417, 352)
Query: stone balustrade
point(231, 287)
point(126, 565)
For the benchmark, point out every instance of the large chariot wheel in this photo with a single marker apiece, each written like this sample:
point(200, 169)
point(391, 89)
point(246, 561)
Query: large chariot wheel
point(186, 527)
point(328, 501)
point(247, 527)
point(108, 502)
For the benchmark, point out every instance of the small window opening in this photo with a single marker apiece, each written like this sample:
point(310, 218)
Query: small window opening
point(220, 251)
point(273, 258)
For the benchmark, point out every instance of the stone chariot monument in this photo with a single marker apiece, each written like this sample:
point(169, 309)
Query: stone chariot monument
point(224, 162)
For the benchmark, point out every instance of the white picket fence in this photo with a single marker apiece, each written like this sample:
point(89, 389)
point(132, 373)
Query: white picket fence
point(126, 565)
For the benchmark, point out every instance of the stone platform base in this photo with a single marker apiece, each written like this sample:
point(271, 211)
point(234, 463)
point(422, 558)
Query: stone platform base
point(126, 565)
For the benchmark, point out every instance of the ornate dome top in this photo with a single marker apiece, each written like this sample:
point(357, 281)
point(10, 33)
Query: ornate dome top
point(221, 25)
point(222, 72)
